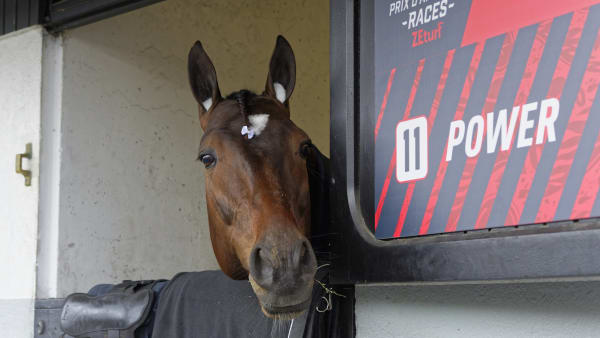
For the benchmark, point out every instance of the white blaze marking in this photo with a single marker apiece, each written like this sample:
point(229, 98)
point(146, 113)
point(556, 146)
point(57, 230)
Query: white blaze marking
point(258, 122)
point(279, 92)
point(207, 104)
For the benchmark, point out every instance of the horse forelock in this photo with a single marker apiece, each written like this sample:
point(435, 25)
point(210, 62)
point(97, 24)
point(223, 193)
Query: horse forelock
point(243, 98)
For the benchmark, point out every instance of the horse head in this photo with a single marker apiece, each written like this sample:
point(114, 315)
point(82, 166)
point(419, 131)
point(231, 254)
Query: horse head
point(257, 191)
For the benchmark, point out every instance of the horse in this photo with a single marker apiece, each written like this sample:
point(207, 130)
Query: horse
point(257, 190)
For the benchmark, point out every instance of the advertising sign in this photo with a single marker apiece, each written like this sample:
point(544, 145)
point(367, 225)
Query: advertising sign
point(487, 114)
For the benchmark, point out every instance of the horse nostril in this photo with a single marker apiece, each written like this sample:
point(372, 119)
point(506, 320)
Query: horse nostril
point(307, 256)
point(261, 267)
point(304, 259)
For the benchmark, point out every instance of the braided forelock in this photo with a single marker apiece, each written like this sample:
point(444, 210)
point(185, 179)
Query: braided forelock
point(242, 97)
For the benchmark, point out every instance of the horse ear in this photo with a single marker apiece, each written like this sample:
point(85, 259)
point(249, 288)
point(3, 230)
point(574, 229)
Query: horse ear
point(282, 72)
point(203, 80)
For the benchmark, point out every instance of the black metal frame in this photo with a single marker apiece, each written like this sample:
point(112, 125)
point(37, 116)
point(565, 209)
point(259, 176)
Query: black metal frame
point(557, 250)
point(58, 15)
point(18, 14)
point(63, 14)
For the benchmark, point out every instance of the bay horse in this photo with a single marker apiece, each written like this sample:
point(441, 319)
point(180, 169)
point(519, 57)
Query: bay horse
point(257, 191)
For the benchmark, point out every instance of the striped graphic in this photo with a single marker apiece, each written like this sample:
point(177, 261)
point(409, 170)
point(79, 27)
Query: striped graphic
point(502, 158)
point(571, 138)
point(384, 102)
point(390, 171)
point(483, 94)
point(386, 186)
point(441, 173)
point(590, 185)
point(430, 120)
point(490, 102)
point(556, 87)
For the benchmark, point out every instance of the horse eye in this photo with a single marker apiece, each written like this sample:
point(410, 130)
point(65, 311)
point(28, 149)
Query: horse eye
point(304, 148)
point(208, 160)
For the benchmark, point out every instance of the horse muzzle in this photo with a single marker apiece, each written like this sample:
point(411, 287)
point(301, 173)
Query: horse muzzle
point(282, 275)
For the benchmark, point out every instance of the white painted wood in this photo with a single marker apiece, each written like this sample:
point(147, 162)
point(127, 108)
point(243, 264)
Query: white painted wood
point(50, 157)
point(20, 91)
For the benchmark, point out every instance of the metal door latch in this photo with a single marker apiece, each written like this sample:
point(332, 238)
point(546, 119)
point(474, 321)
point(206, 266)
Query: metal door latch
point(19, 164)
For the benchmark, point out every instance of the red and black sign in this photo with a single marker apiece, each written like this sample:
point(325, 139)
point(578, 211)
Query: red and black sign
point(488, 114)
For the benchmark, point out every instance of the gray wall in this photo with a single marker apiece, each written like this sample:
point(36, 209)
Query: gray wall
point(131, 193)
point(565, 309)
